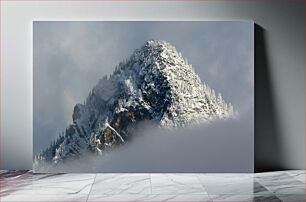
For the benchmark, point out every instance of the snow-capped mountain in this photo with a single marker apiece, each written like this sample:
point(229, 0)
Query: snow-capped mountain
point(157, 84)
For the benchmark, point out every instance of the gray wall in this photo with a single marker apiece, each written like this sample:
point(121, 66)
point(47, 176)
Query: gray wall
point(279, 68)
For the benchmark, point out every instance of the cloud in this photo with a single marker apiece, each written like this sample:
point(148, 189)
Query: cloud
point(215, 147)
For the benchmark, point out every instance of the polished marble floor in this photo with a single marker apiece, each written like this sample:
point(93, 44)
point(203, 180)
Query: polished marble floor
point(270, 186)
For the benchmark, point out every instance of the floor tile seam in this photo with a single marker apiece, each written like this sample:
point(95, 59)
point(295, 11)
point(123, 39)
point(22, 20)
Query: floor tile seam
point(269, 190)
point(204, 187)
point(151, 183)
point(91, 187)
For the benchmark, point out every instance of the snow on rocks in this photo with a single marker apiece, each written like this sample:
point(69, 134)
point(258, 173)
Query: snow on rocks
point(156, 83)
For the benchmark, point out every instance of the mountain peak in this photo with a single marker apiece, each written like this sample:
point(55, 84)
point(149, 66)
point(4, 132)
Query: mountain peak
point(158, 47)
point(157, 44)
point(154, 84)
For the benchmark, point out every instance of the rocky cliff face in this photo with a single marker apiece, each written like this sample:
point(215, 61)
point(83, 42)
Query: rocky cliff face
point(154, 84)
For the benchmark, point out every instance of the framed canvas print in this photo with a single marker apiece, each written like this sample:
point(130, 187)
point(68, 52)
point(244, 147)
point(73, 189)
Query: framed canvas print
point(143, 96)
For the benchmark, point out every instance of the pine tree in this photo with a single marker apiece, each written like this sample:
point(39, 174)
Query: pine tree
point(230, 109)
point(213, 94)
point(219, 99)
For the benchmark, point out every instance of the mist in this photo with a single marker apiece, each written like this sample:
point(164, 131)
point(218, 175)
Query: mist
point(223, 145)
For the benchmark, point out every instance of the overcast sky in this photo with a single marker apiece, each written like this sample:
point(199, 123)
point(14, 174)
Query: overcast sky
point(70, 58)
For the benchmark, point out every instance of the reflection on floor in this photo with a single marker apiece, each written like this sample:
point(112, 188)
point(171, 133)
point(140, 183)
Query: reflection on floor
point(272, 186)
